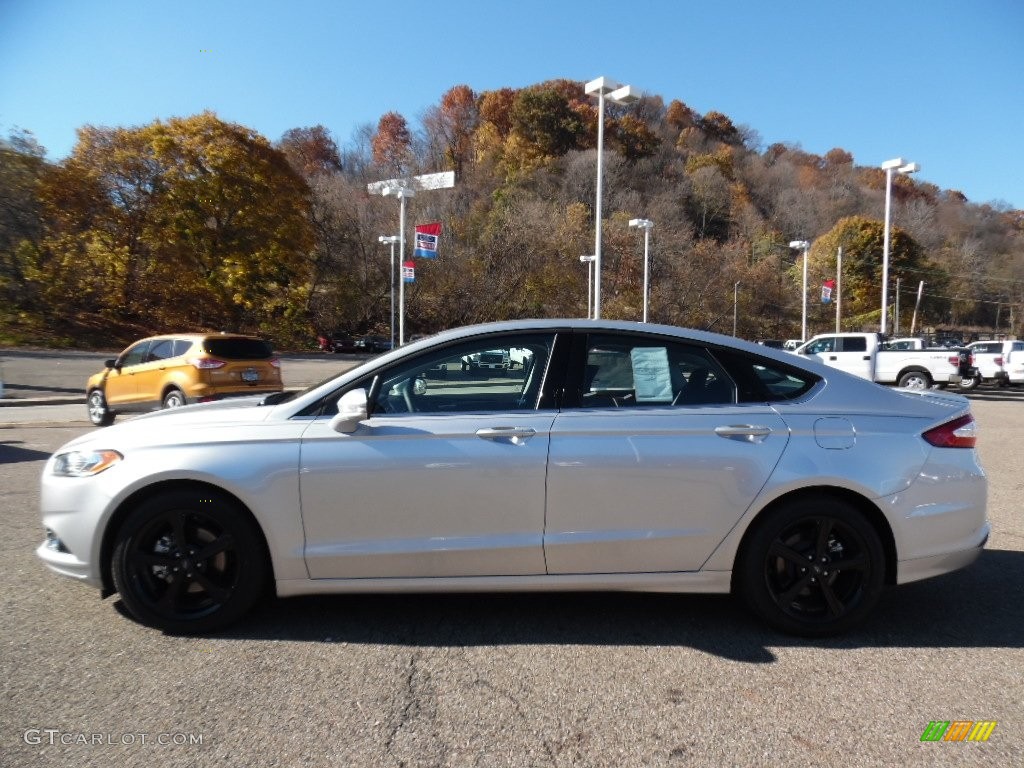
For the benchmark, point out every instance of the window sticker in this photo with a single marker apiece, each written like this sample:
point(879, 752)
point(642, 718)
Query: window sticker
point(652, 379)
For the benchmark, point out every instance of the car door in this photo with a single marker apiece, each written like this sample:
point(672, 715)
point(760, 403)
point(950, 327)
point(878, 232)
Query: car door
point(444, 479)
point(655, 461)
point(121, 385)
point(847, 353)
point(151, 373)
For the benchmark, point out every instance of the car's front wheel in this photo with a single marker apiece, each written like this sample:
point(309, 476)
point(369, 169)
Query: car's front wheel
point(188, 561)
point(99, 413)
point(812, 567)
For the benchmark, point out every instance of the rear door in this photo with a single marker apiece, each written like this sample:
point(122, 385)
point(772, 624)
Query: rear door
point(653, 461)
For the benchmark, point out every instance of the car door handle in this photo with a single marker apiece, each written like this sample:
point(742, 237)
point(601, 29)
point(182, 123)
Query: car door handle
point(833, 357)
point(747, 433)
point(515, 435)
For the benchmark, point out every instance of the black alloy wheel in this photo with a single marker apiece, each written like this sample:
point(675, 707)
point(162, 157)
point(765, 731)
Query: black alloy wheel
point(188, 561)
point(813, 567)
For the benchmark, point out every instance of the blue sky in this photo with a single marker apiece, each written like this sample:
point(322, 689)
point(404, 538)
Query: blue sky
point(939, 82)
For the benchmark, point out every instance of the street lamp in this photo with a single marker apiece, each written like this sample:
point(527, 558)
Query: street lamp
point(589, 261)
point(804, 246)
point(646, 225)
point(897, 165)
point(603, 88)
point(391, 240)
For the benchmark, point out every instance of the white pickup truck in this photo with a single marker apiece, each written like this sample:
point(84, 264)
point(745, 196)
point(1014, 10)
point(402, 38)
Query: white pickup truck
point(1001, 362)
point(865, 355)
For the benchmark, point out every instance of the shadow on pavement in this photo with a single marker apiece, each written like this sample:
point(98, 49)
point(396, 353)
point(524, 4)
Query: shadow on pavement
point(11, 453)
point(980, 607)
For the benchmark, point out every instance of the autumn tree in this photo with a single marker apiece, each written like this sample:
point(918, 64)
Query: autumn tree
point(392, 143)
point(190, 223)
point(452, 124)
point(861, 239)
point(311, 151)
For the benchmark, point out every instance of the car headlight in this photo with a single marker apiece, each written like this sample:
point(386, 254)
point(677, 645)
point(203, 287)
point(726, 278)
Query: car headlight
point(84, 463)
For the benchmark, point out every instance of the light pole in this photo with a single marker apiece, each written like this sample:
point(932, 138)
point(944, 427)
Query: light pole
point(804, 246)
point(897, 165)
point(589, 261)
point(391, 240)
point(646, 225)
point(602, 87)
point(403, 189)
point(735, 305)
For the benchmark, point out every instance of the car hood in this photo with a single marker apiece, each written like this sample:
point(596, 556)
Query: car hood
point(168, 426)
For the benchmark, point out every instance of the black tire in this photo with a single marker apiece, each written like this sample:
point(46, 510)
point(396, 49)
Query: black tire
point(174, 398)
point(99, 414)
point(189, 562)
point(916, 380)
point(971, 383)
point(813, 567)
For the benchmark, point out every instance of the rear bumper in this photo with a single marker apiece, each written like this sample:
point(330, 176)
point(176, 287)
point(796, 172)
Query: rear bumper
point(936, 565)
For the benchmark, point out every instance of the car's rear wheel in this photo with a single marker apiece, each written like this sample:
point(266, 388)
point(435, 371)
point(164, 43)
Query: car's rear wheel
point(812, 567)
point(188, 561)
point(971, 383)
point(99, 413)
point(174, 398)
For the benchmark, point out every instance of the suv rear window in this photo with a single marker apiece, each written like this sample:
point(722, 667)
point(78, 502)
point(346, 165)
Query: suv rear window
point(238, 348)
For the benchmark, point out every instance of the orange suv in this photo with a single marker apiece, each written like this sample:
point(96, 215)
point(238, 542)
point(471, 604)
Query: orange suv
point(174, 370)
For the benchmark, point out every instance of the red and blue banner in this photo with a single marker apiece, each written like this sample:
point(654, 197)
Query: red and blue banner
point(427, 236)
point(409, 272)
point(827, 289)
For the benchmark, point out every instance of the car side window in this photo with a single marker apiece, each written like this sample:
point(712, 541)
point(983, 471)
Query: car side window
point(496, 373)
point(181, 346)
point(860, 344)
point(624, 371)
point(160, 350)
point(134, 355)
point(827, 344)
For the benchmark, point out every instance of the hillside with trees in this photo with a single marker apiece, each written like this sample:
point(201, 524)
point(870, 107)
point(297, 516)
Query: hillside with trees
point(197, 223)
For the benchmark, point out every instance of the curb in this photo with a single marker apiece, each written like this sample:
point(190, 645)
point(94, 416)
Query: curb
point(9, 402)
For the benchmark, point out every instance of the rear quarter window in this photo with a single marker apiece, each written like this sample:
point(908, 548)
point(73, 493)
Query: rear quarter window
point(238, 349)
point(760, 380)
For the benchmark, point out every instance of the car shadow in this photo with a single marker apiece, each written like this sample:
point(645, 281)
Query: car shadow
point(980, 607)
point(11, 453)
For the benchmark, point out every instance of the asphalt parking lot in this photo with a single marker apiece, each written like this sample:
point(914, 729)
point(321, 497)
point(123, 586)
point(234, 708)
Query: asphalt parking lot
point(534, 680)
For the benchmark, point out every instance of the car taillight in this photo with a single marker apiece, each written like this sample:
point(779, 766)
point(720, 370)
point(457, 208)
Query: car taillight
point(999, 362)
point(206, 363)
point(274, 361)
point(958, 433)
point(955, 361)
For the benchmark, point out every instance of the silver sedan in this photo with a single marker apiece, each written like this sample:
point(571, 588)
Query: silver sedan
point(614, 456)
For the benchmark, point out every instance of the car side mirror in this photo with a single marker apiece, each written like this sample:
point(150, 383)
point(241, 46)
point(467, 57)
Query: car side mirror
point(352, 409)
point(110, 363)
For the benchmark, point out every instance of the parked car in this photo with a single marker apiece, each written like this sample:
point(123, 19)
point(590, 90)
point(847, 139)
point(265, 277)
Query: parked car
point(174, 370)
point(998, 362)
point(372, 345)
point(337, 341)
point(628, 457)
point(865, 355)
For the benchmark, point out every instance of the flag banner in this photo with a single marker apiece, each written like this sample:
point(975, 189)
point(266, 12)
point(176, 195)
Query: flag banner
point(827, 288)
point(427, 236)
point(409, 272)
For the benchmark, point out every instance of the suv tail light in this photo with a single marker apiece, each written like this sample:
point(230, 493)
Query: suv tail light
point(958, 433)
point(999, 361)
point(275, 361)
point(206, 363)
